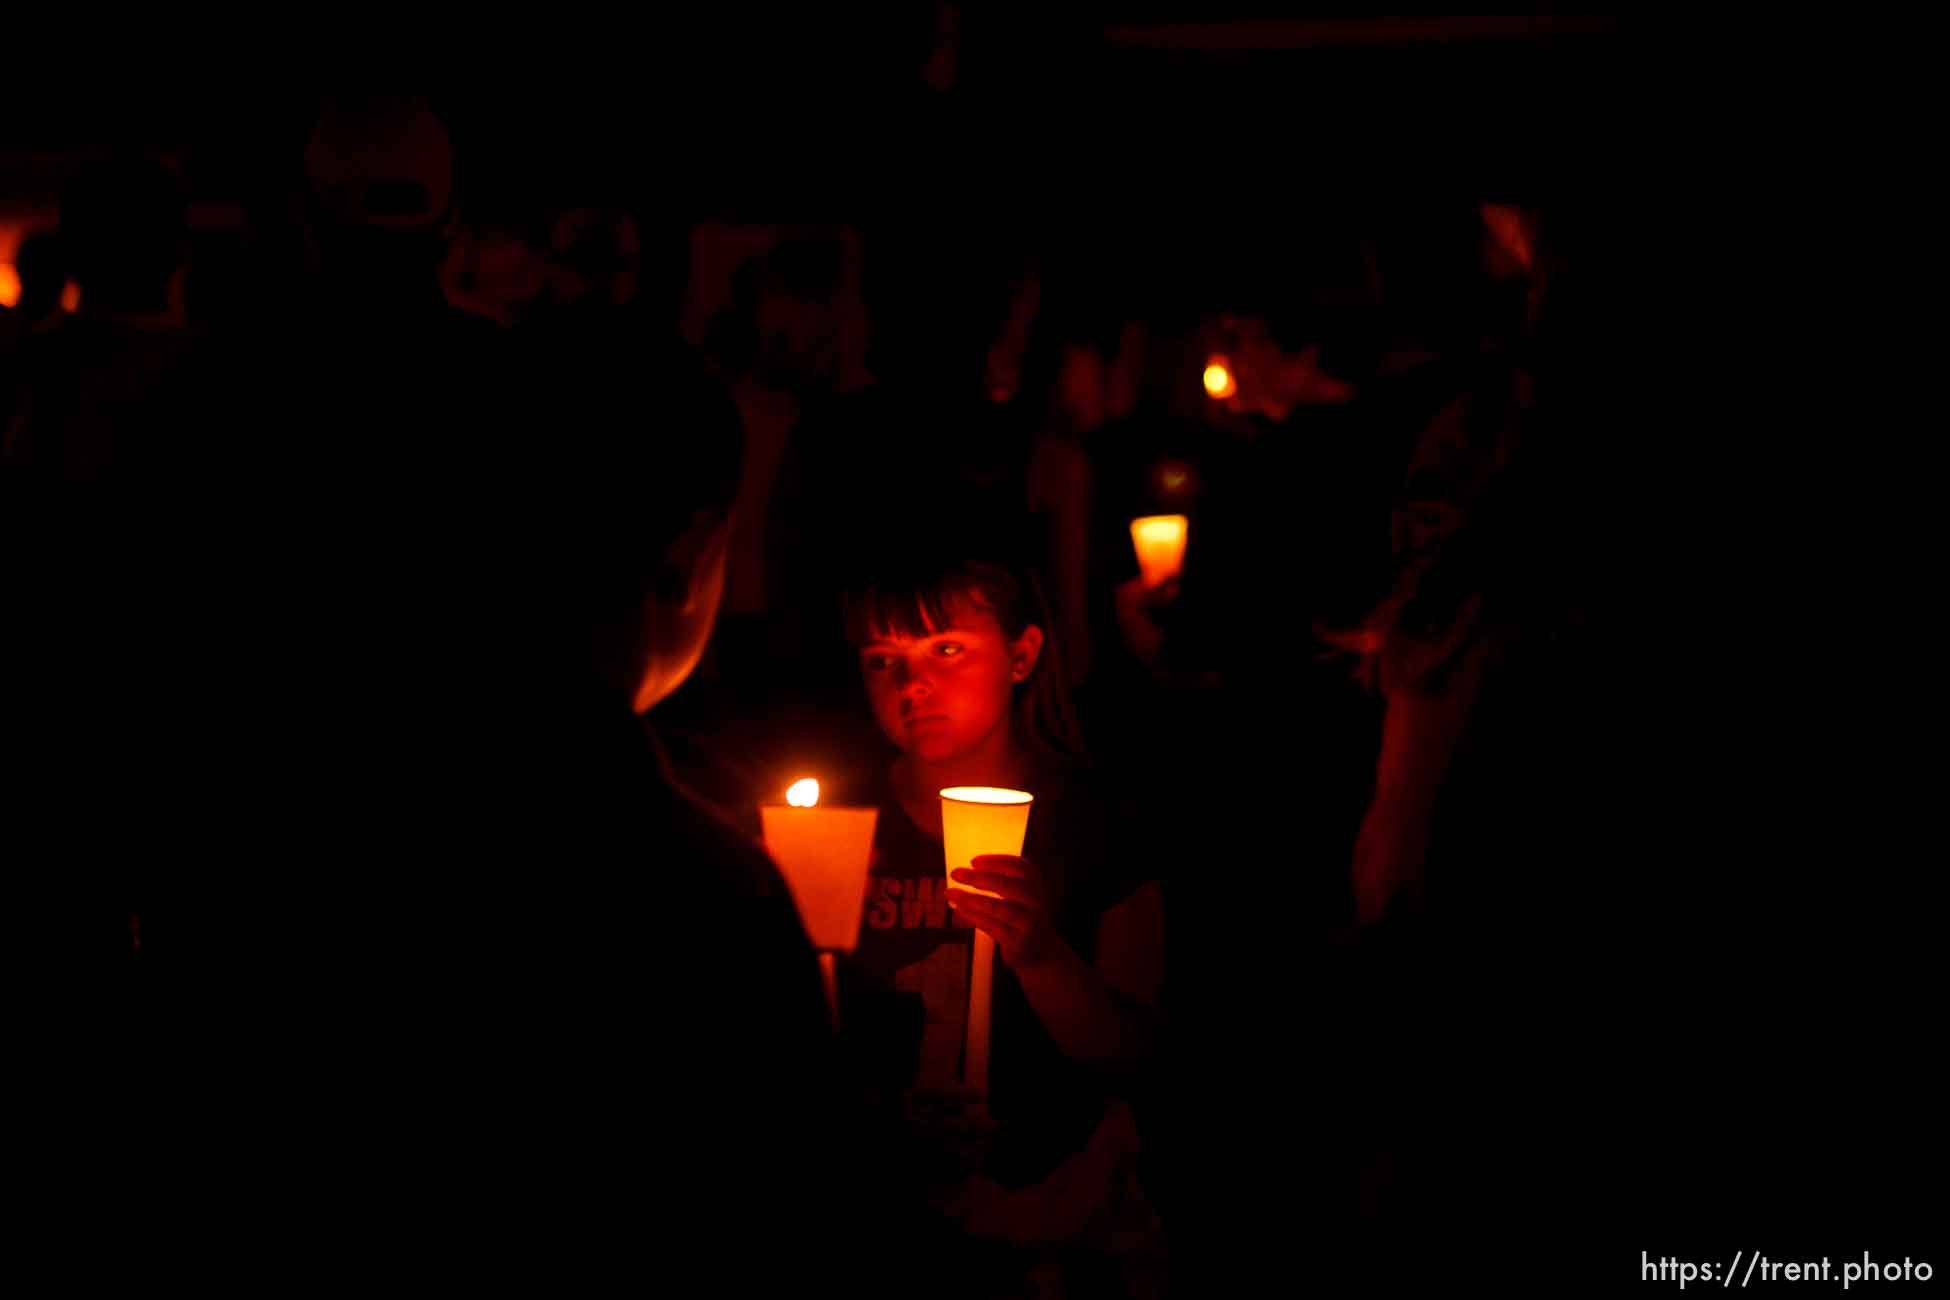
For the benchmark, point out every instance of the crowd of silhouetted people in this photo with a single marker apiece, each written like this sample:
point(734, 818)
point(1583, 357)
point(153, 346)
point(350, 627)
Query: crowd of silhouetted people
point(410, 608)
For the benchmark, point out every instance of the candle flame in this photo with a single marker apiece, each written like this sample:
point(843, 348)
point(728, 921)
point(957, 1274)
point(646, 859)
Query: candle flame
point(803, 794)
point(1218, 379)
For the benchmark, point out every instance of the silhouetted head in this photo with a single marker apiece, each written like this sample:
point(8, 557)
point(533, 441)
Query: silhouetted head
point(42, 264)
point(784, 326)
point(379, 200)
point(624, 487)
point(123, 222)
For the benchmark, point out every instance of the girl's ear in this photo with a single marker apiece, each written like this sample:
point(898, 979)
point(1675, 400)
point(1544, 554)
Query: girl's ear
point(1024, 653)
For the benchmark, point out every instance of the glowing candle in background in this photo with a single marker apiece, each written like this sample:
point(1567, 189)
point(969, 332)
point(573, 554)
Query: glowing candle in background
point(1160, 544)
point(1218, 378)
point(823, 853)
point(977, 820)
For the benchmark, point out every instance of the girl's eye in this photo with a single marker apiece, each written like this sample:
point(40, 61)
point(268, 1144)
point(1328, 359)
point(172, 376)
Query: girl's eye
point(876, 663)
point(948, 649)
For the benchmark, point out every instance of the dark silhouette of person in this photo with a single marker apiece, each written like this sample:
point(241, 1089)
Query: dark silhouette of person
point(99, 387)
point(99, 397)
point(456, 934)
point(903, 451)
point(43, 269)
point(1486, 834)
point(424, 914)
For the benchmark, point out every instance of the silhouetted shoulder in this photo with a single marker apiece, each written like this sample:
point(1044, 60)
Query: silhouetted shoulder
point(743, 867)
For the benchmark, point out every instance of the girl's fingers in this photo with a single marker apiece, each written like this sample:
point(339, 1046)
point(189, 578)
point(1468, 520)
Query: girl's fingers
point(1003, 863)
point(988, 912)
point(1013, 888)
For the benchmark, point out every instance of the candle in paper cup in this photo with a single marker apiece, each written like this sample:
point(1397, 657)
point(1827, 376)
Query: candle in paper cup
point(978, 820)
point(823, 853)
point(1160, 544)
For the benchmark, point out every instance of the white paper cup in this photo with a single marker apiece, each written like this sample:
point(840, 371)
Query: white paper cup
point(979, 819)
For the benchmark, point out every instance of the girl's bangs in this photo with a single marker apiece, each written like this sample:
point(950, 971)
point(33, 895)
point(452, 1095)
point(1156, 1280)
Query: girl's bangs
point(881, 612)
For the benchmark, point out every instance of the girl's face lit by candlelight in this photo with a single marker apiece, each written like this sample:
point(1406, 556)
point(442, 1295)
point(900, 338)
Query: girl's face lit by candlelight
point(947, 694)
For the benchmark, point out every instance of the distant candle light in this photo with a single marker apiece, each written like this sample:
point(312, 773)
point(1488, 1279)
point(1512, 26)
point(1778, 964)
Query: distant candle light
point(71, 297)
point(9, 285)
point(1218, 379)
point(803, 794)
point(1160, 544)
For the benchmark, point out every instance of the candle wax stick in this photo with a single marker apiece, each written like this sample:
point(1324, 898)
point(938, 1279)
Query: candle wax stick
point(975, 821)
point(829, 977)
point(981, 1004)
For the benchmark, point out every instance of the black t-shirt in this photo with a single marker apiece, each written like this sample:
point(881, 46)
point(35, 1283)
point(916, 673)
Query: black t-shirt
point(905, 992)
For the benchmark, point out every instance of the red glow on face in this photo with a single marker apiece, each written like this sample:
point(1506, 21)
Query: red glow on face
point(943, 695)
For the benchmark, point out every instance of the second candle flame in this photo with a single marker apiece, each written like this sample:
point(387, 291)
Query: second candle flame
point(803, 794)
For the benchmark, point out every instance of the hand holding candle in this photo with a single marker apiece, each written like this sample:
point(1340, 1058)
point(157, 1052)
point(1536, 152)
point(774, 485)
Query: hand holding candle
point(976, 822)
point(1005, 898)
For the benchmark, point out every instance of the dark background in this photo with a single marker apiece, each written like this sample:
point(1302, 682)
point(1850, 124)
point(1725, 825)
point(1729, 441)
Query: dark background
point(1777, 931)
